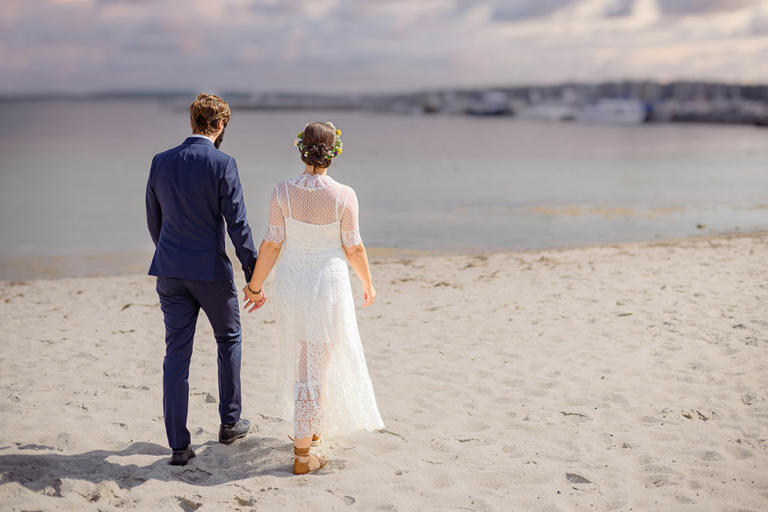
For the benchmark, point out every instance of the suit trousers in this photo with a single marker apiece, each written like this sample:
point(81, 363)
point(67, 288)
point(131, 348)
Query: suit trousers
point(181, 301)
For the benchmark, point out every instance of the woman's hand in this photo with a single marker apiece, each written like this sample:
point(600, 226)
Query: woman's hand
point(369, 295)
point(253, 300)
point(358, 258)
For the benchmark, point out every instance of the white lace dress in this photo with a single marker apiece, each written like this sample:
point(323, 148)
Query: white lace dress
point(323, 383)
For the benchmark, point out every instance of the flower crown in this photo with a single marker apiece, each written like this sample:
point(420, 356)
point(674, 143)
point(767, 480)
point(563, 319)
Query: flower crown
point(335, 151)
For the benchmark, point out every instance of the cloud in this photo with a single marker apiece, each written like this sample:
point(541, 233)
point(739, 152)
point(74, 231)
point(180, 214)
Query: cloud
point(516, 10)
point(263, 7)
point(372, 45)
point(619, 8)
point(759, 25)
point(703, 6)
point(128, 2)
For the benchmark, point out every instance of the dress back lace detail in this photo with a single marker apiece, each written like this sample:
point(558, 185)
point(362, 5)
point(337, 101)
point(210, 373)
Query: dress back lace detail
point(323, 381)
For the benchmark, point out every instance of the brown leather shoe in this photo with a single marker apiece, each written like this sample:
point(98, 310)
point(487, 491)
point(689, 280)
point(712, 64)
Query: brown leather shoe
point(181, 457)
point(229, 433)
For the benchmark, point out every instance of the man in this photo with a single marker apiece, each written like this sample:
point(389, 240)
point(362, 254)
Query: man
point(192, 190)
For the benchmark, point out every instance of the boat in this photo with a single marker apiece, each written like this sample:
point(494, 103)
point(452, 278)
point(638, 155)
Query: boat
point(613, 111)
point(548, 112)
point(491, 103)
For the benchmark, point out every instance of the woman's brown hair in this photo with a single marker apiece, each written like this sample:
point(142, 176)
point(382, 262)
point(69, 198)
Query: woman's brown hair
point(319, 139)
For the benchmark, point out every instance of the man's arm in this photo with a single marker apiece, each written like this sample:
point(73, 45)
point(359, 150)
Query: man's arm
point(154, 213)
point(233, 209)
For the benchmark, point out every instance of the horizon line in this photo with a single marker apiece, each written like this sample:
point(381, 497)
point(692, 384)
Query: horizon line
point(174, 92)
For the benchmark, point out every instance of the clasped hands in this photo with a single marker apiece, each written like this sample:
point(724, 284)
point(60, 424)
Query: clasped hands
point(253, 300)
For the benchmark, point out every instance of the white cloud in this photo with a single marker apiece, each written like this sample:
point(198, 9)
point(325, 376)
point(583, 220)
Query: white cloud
point(373, 45)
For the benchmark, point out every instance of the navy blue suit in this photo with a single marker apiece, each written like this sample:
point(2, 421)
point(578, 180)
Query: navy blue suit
point(193, 189)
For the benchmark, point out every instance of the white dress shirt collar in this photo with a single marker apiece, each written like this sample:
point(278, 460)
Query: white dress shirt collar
point(201, 136)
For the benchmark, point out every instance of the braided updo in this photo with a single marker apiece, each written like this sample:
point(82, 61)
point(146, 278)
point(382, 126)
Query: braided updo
point(319, 140)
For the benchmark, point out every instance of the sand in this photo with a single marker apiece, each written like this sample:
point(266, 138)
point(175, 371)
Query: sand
point(628, 377)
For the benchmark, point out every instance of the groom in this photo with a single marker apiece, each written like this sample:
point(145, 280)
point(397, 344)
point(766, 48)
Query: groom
point(192, 190)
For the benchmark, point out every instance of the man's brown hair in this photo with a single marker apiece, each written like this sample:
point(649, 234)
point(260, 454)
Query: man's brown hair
point(206, 112)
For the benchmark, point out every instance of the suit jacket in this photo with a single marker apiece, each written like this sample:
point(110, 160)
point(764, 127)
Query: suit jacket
point(192, 190)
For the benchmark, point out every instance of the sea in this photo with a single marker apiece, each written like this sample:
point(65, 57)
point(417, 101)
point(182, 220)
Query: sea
point(73, 175)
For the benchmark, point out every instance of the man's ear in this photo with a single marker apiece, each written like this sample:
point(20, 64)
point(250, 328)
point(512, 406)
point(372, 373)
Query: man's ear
point(220, 126)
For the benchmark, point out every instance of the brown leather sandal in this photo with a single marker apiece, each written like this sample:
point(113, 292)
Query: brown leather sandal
point(303, 462)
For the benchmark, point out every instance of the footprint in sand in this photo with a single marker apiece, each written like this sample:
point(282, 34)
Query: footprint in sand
point(739, 453)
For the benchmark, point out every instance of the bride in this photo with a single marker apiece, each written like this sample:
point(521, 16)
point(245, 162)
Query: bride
point(323, 382)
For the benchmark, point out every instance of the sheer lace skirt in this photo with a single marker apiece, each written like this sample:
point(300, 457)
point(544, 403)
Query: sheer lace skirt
point(323, 381)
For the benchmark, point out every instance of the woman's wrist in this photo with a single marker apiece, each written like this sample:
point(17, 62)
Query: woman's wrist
point(253, 291)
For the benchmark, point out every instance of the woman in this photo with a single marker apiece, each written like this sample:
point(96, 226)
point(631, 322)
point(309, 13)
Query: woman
point(323, 382)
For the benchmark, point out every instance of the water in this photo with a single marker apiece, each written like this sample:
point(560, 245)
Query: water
point(72, 178)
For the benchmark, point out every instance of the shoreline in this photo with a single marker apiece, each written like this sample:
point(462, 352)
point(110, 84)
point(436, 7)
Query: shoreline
point(34, 268)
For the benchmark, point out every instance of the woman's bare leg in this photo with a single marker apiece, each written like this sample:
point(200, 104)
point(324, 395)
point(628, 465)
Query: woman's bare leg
point(305, 462)
point(304, 442)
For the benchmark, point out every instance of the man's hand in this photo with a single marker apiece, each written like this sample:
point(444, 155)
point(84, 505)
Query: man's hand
point(253, 300)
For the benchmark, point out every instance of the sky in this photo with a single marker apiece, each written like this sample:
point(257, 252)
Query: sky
point(369, 46)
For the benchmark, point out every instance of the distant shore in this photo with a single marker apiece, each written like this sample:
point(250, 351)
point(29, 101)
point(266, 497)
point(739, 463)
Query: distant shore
point(611, 102)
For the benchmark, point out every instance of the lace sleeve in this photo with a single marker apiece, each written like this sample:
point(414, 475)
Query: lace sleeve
point(350, 227)
point(276, 228)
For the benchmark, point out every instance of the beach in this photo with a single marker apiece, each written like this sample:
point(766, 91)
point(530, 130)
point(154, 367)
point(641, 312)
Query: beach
point(618, 377)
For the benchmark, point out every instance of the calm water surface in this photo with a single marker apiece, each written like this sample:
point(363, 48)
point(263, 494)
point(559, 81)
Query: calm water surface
point(72, 178)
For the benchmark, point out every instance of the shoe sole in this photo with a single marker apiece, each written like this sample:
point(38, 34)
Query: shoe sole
point(230, 441)
point(312, 470)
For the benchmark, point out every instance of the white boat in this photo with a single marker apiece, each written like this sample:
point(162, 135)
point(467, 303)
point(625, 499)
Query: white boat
point(613, 111)
point(548, 112)
point(491, 103)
